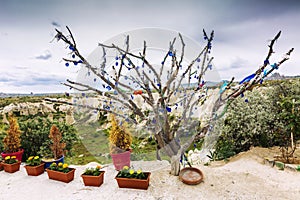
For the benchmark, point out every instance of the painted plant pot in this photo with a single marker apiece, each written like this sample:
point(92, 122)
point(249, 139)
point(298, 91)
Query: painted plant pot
point(121, 159)
point(49, 162)
point(18, 154)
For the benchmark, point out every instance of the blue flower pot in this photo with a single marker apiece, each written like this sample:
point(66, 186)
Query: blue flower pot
point(48, 163)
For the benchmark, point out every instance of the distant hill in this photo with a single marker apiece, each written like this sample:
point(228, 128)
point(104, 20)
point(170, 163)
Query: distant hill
point(277, 76)
point(6, 95)
point(209, 84)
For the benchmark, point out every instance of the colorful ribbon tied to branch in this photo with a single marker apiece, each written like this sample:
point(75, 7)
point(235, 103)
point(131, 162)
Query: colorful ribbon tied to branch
point(223, 87)
point(274, 66)
point(267, 69)
point(138, 92)
point(248, 78)
point(168, 109)
point(201, 84)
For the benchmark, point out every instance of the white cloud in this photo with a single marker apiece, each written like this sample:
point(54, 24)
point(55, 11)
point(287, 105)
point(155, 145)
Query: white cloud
point(44, 56)
point(242, 29)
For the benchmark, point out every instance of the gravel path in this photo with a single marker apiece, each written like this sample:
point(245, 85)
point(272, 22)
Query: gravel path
point(243, 178)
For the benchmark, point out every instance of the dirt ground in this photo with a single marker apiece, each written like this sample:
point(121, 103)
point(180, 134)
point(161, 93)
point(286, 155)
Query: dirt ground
point(243, 177)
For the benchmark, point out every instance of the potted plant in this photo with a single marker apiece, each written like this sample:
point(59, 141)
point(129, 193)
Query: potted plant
point(34, 166)
point(57, 146)
point(93, 176)
point(11, 164)
point(60, 172)
point(12, 141)
point(129, 178)
point(120, 142)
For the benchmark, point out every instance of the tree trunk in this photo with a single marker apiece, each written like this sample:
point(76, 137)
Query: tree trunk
point(175, 165)
point(171, 149)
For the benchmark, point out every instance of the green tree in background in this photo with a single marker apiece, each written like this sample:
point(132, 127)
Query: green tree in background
point(35, 140)
point(288, 110)
point(266, 117)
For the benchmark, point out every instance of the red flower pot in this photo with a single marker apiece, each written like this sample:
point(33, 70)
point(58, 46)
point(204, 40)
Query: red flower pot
point(61, 176)
point(11, 168)
point(121, 159)
point(35, 170)
point(18, 154)
point(89, 180)
point(133, 182)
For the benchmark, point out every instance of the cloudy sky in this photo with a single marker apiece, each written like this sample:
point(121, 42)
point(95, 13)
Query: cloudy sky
point(29, 62)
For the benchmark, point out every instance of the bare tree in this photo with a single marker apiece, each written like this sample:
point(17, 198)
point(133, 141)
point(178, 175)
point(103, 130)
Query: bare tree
point(171, 91)
point(229, 91)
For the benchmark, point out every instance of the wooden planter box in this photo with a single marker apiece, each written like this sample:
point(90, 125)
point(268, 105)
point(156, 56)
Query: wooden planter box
point(60, 176)
point(11, 168)
point(93, 180)
point(134, 183)
point(35, 170)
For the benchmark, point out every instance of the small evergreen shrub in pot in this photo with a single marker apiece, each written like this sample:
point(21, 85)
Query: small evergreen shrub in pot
point(12, 140)
point(120, 142)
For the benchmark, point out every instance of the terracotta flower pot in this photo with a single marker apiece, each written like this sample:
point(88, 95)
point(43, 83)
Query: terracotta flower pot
point(89, 180)
point(11, 168)
point(133, 182)
point(191, 175)
point(35, 170)
point(1, 166)
point(121, 159)
point(60, 176)
point(18, 154)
